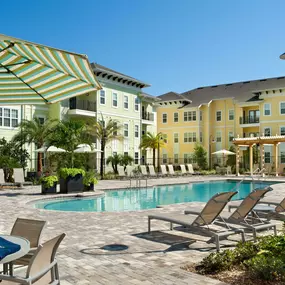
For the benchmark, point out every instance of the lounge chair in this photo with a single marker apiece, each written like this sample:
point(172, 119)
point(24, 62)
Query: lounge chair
point(121, 172)
point(183, 170)
point(18, 175)
point(191, 170)
point(30, 230)
point(130, 170)
point(152, 172)
point(163, 170)
point(144, 171)
point(42, 269)
point(2, 179)
point(244, 214)
point(171, 170)
point(229, 170)
point(203, 219)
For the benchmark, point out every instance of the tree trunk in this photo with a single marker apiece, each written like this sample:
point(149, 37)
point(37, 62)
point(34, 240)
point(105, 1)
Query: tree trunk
point(153, 157)
point(39, 162)
point(102, 160)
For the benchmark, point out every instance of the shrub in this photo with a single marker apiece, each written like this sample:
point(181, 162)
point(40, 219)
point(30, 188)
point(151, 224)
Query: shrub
point(245, 251)
point(200, 155)
point(89, 178)
point(65, 172)
point(48, 181)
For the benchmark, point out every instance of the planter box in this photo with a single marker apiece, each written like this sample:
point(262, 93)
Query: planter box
point(50, 190)
point(89, 188)
point(72, 184)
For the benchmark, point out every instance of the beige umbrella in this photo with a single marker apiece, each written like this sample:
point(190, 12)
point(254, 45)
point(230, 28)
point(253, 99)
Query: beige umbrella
point(223, 152)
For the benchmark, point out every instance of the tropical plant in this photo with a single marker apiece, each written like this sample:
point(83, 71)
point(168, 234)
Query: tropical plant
point(105, 132)
point(154, 142)
point(49, 181)
point(68, 135)
point(200, 155)
point(89, 178)
point(126, 160)
point(34, 131)
point(114, 160)
point(72, 172)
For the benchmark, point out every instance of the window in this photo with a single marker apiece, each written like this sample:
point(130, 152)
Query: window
point(231, 136)
point(164, 118)
point(190, 116)
point(126, 130)
point(115, 130)
point(218, 116)
point(231, 115)
point(282, 154)
point(136, 158)
point(267, 109)
point(126, 153)
point(218, 136)
point(136, 131)
point(201, 115)
point(115, 153)
point(164, 137)
point(176, 158)
point(41, 120)
point(201, 137)
point(282, 131)
point(164, 158)
point(190, 137)
point(267, 132)
point(9, 117)
point(282, 108)
point(115, 100)
point(187, 158)
point(175, 117)
point(102, 97)
point(267, 157)
point(137, 103)
point(126, 102)
point(175, 138)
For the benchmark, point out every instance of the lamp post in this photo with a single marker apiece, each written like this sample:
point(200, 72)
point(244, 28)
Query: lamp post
point(211, 140)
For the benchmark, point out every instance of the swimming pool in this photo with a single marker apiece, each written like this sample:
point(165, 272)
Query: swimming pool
point(140, 199)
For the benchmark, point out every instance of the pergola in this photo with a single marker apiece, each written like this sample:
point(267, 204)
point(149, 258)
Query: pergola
point(261, 141)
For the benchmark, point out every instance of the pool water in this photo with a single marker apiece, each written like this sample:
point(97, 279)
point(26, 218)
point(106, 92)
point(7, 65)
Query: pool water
point(140, 199)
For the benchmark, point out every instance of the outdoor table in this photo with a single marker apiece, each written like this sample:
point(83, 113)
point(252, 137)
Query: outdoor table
point(7, 260)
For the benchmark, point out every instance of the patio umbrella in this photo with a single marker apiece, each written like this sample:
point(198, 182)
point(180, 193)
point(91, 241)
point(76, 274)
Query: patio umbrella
point(82, 148)
point(223, 152)
point(50, 149)
point(36, 74)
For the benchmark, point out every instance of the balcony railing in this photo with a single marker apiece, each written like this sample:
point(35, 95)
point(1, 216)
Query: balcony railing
point(148, 116)
point(248, 120)
point(86, 105)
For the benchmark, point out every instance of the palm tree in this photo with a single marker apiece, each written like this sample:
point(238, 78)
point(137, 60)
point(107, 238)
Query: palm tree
point(69, 134)
point(115, 160)
point(105, 132)
point(154, 142)
point(34, 131)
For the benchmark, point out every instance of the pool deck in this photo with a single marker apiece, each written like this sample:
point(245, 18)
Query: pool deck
point(153, 258)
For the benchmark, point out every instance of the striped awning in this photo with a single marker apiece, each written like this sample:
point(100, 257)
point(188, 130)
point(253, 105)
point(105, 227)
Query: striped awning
point(35, 74)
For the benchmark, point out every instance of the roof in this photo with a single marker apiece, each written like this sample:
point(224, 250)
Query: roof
point(169, 96)
point(150, 97)
point(102, 71)
point(245, 91)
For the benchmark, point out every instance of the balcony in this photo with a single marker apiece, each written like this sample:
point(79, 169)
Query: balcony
point(147, 118)
point(82, 107)
point(249, 121)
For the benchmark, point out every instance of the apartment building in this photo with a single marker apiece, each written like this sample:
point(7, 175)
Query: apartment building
point(214, 115)
point(121, 98)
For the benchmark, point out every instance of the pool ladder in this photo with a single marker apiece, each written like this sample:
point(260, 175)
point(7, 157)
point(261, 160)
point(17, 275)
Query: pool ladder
point(138, 182)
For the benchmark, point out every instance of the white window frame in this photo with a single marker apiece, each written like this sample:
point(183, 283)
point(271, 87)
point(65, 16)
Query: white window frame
point(267, 157)
point(174, 117)
point(176, 158)
point(137, 132)
point(137, 104)
point(104, 96)
point(201, 137)
point(164, 158)
point(283, 102)
point(282, 157)
point(166, 118)
point(201, 116)
point(265, 133)
point(11, 109)
point(218, 136)
point(217, 116)
point(229, 136)
point(126, 102)
point(113, 93)
point(175, 136)
point(269, 104)
point(233, 114)
point(280, 130)
point(137, 159)
point(126, 124)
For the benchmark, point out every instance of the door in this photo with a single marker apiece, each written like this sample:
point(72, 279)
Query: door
point(253, 116)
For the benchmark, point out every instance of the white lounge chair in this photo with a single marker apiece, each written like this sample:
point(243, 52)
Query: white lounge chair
point(130, 170)
point(171, 170)
point(163, 170)
point(18, 175)
point(183, 170)
point(2, 180)
point(143, 170)
point(190, 169)
point(152, 172)
point(121, 172)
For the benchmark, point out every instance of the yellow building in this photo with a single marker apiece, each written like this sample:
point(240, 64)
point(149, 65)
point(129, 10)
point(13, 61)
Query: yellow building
point(214, 115)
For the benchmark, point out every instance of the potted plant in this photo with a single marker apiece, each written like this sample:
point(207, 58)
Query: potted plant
point(71, 180)
point(49, 184)
point(89, 181)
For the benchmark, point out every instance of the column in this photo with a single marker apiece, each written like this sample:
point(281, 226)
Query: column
point(251, 159)
point(276, 158)
point(262, 159)
point(237, 160)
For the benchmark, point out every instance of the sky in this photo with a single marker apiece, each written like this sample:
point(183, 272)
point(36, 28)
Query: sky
point(174, 45)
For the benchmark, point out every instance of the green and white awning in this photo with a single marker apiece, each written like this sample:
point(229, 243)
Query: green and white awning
point(36, 74)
